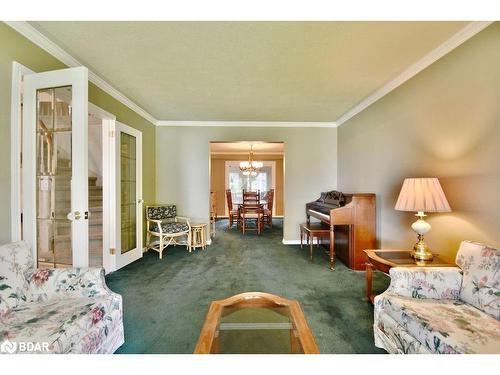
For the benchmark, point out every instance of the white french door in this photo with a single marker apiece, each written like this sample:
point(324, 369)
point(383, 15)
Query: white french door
point(55, 173)
point(129, 203)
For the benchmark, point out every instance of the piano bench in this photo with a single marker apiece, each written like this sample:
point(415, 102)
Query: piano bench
point(312, 230)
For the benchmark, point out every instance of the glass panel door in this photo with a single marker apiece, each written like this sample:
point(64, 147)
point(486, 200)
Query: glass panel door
point(129, 204)
point(54, 172)
point(129, 199)
point(54, 167)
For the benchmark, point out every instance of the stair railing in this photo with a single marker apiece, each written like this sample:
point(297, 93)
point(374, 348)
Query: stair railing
point(47, 136)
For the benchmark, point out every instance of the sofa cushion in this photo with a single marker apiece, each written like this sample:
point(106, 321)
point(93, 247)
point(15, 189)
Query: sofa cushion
point(170, 227)
point(16, 265)
point(162, 212)
point(481, 276)
point(445, 326)
point(70, 325)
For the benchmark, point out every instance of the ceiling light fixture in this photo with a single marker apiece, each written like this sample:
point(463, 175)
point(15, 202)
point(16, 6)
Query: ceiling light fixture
point(251, 167)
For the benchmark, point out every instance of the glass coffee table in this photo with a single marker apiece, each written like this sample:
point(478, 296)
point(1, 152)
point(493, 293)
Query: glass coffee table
point(256, 323)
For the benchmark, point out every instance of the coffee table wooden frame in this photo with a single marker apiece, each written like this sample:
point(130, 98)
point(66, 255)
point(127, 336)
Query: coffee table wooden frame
point(207, 342)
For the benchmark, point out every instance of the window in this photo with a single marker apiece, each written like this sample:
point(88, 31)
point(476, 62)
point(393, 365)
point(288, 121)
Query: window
point(236, 181)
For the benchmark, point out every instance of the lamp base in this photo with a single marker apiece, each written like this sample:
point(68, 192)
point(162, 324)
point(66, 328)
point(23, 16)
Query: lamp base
point(421, 251)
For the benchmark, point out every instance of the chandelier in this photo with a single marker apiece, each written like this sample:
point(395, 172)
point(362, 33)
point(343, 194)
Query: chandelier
point(250, 167)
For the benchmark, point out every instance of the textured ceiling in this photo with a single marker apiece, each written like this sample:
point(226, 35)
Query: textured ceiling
point(248, 71)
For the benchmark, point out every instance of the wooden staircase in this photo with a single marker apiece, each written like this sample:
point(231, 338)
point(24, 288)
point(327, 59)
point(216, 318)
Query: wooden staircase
point(62, 232)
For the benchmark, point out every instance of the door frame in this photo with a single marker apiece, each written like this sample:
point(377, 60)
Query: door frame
point(18, 71)
point(119, 260)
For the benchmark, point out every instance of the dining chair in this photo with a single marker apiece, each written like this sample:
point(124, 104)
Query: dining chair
point(233, 213)
point(251, 197)
point(250, 210)
point(268, 211)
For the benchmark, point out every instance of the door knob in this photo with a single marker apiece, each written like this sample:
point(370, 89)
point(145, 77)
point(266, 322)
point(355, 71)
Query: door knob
point(74, 216)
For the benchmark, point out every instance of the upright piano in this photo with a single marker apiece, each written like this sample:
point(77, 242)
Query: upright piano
point(351, 218)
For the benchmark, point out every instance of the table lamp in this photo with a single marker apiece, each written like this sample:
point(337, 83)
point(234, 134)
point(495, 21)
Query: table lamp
point(422, 195)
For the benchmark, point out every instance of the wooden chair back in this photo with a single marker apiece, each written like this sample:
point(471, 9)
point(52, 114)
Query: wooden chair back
point(270, 200)
point(229, 199)
point(251, 198)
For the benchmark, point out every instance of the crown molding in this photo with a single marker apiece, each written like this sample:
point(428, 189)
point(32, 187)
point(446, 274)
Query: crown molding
point(31, 33)
point(449, 45)
point(255, 124)
point(35, 36)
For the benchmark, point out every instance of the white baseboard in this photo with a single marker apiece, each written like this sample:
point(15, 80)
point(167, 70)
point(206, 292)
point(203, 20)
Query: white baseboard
point(291, 242)
point(209, 241)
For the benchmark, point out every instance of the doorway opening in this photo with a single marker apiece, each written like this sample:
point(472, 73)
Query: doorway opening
point(226, 174)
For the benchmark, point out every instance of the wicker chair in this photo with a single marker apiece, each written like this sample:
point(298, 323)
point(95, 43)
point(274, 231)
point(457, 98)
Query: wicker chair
point(165, 228)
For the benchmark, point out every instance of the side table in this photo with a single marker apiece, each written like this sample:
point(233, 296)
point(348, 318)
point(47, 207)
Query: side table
point(384, 260)
point(198, 235)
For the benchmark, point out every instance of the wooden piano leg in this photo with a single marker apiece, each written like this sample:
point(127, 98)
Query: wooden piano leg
point(311, 244)
point(332, 250)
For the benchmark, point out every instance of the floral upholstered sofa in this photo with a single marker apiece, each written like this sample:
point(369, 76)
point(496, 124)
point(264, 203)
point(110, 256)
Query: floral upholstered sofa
point(65, 310)
point(443, 309)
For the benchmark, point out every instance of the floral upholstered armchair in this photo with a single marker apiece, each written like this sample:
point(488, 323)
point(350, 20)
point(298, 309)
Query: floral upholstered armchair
point(64, 310)
point(443, 309)
point(165, 228)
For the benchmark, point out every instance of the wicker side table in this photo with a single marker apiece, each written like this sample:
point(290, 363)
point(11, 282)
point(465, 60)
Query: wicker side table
point(198, 235)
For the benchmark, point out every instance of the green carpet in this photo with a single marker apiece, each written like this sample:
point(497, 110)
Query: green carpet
point(165, 301)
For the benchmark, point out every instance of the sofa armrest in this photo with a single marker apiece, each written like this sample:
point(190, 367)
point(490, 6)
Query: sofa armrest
point(61, 283)
point(426, 282)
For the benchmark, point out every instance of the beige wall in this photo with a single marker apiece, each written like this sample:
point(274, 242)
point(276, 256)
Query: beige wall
point(14, 47)
point(445, 123)
point(182, 175)
point(218, 175)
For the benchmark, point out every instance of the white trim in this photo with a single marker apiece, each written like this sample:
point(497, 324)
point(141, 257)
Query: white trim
point(456, 40)
point(18, 70)
point(31, 33)
point(255, 124)
point(209, 241)
point(290, 242)
point(101, 113)
point(108, 192)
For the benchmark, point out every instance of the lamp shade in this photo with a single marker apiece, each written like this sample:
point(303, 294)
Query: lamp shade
point(422, 194)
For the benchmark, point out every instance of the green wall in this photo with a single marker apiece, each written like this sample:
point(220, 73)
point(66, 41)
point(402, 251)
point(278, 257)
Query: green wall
point(15, 47)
